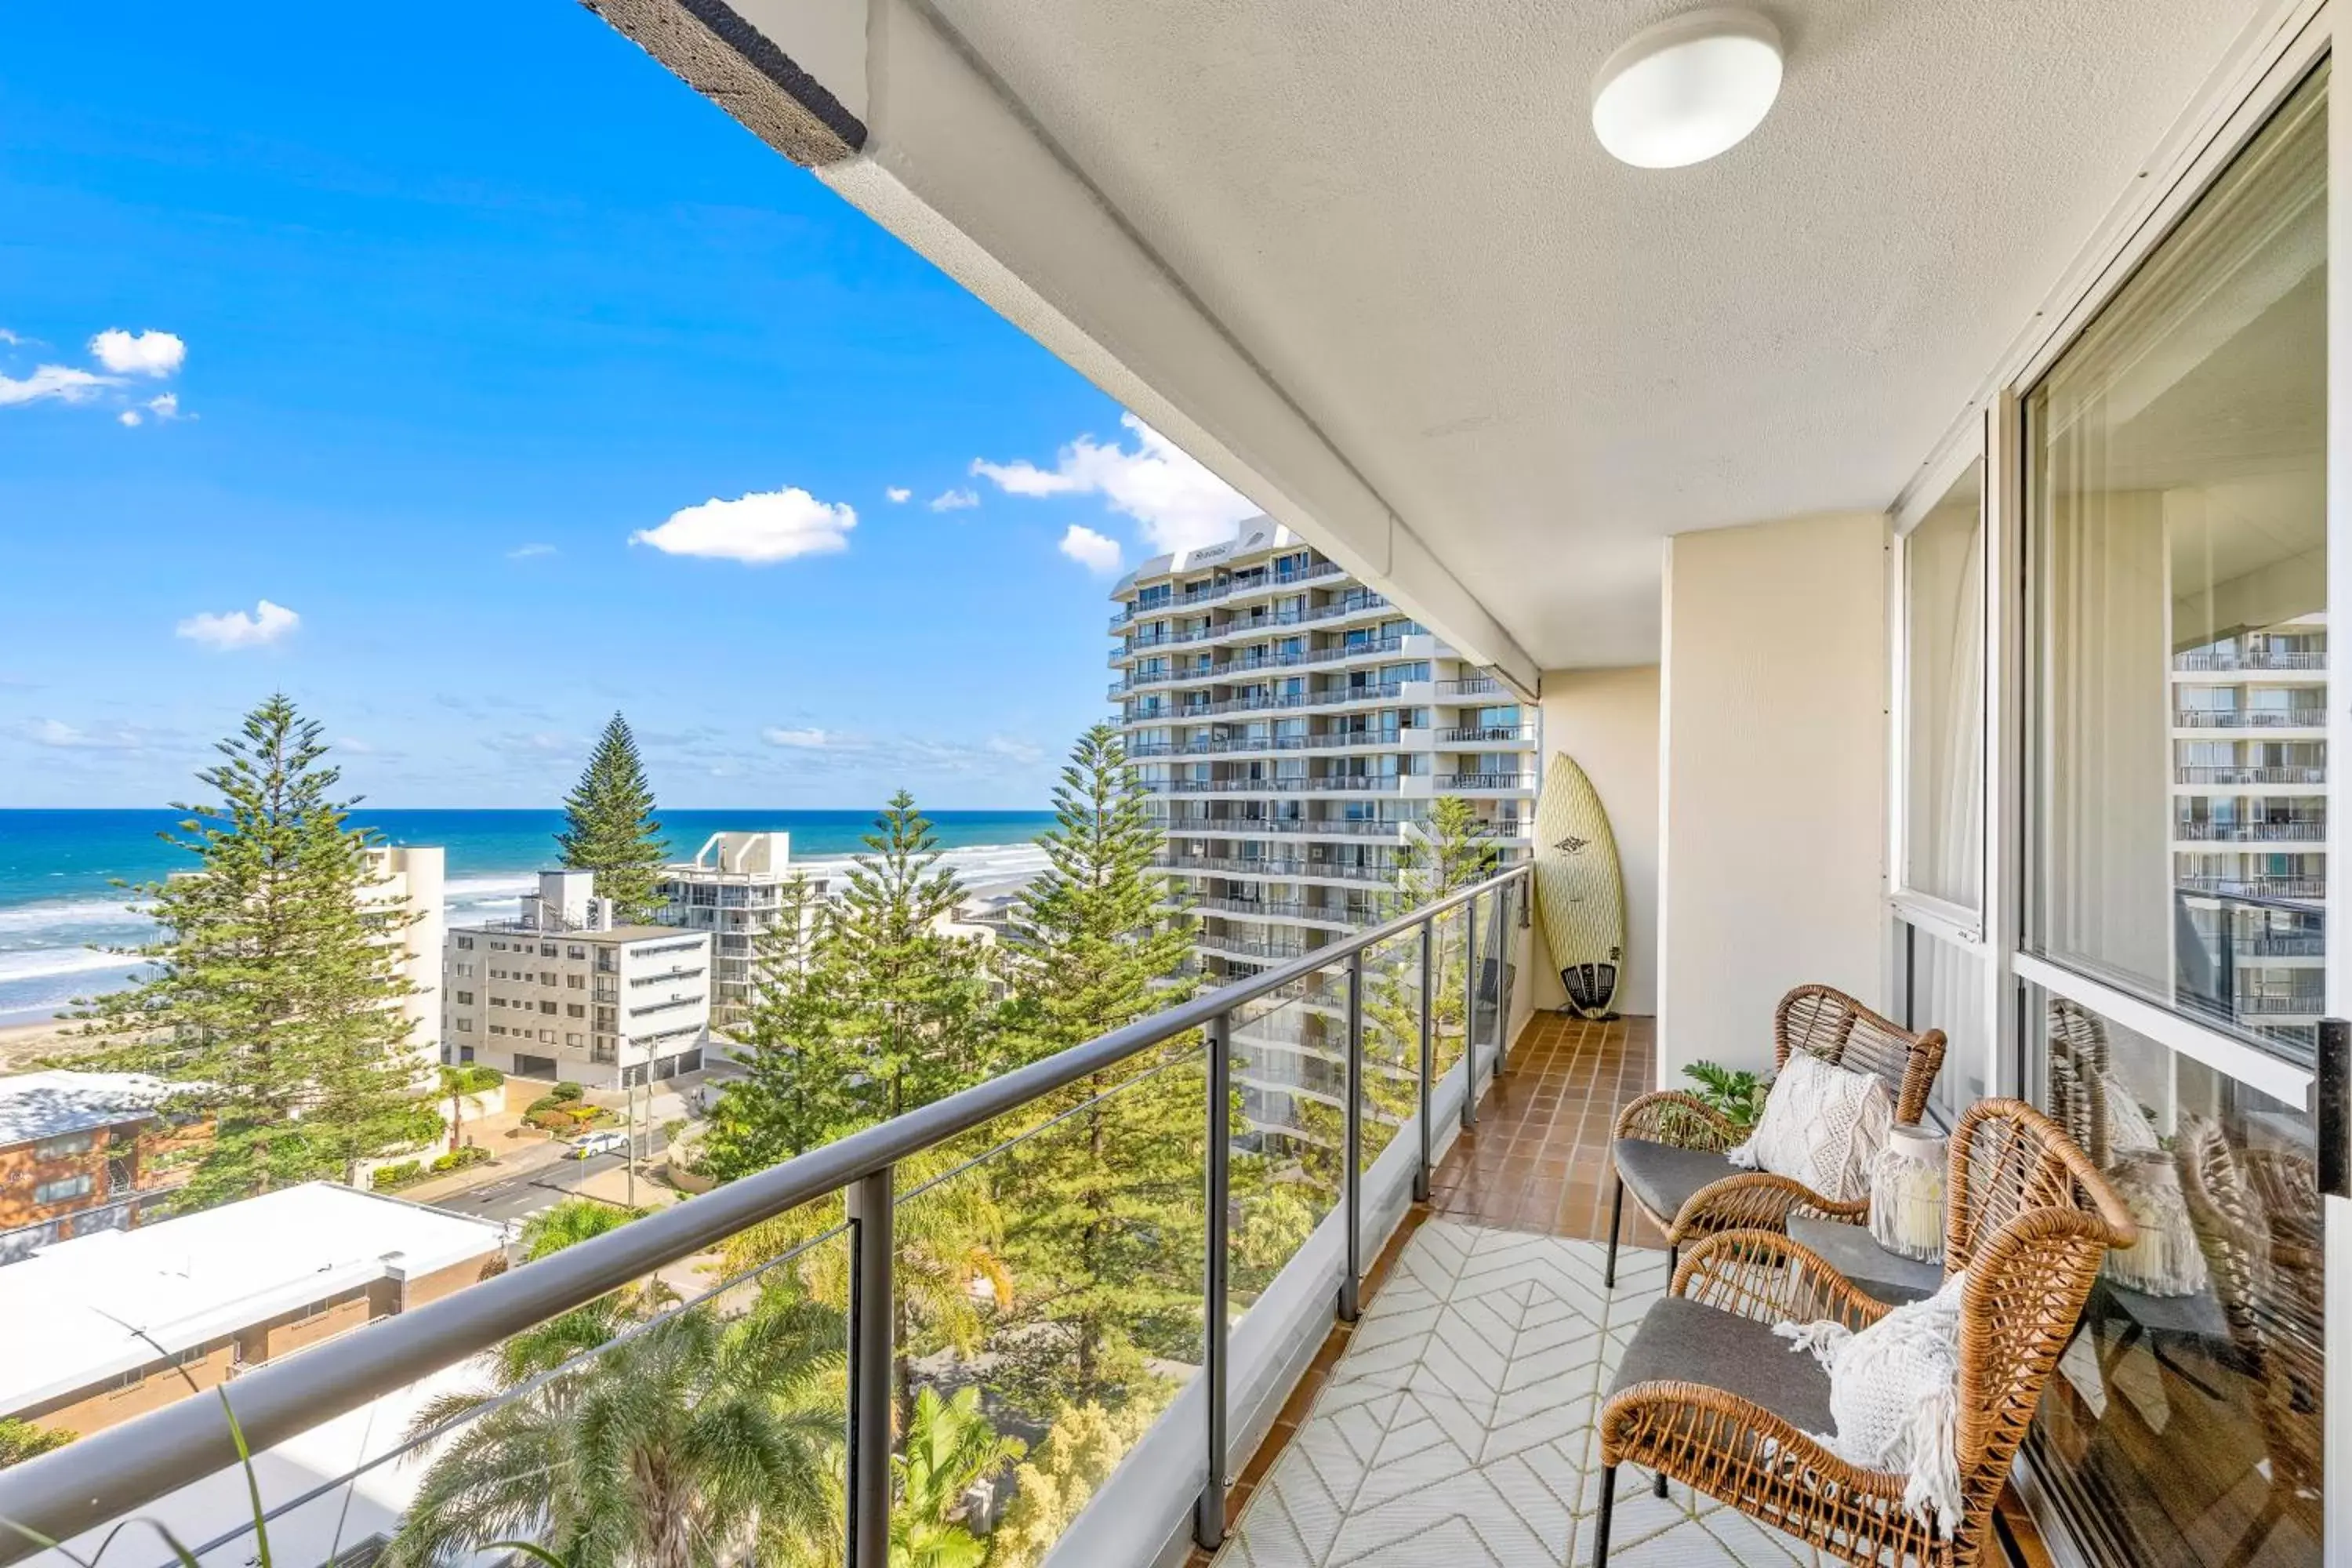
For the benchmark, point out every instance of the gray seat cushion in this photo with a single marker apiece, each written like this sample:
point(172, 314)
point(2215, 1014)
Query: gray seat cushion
point(1687, 1342)
point(1850, 1249)
point(1662, 1176)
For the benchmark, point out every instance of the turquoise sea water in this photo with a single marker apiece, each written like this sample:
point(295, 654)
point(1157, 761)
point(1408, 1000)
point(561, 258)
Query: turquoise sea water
point(60, 907)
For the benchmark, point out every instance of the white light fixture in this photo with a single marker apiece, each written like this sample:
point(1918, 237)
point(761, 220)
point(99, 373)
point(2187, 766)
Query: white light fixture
point(1689, 89)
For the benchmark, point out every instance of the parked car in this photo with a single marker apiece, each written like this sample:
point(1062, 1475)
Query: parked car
point(606, 1140)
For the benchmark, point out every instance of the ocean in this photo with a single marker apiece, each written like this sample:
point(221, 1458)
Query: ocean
point(60, 907)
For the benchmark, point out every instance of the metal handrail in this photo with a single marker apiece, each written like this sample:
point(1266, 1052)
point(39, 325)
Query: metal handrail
point(112, 1472)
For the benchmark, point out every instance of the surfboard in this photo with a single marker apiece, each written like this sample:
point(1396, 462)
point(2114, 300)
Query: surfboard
point(1579, 888)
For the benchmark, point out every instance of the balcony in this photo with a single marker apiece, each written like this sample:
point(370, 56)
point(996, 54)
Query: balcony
point(2256, 886)
point(1269, 867)
point(1324, 784)
point(1488, 735)
point(1471, 685)
point(2227, 660)
point(2250, 718)
point(2202, 773)
point(1485, 783)
point(1268, 582)
point(2250, 831)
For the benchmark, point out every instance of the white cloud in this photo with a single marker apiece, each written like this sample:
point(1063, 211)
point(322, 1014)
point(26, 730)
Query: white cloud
point(353, 744)
point(811, 739)
point(142, 353)
point(166, 406)
point(1180, 503)
point(764, 526)
point(954, 500)
point(529, 552)
point(128, 416)
point(1017, 750)
point(1098, 552)
point(11, 339)
point(899, 494)
point(64, 736)
point(61, 382)
point(265, 625)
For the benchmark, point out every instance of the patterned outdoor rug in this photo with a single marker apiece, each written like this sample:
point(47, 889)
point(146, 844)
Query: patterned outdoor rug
point(1457, 1431)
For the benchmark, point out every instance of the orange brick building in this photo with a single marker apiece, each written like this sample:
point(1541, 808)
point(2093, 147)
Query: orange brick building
point(73, 1155)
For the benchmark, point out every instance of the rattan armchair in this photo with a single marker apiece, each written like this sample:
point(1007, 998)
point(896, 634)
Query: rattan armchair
point(1669, 1145)
point(1707, 1395)
point(2257, 1218)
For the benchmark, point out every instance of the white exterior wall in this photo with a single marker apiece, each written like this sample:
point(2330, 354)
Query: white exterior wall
point(412, 880)
point(1606, 721)
point(509, 997)
point(1772, 795)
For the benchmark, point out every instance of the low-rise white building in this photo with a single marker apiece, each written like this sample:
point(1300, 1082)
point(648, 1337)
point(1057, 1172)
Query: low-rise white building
point(562, 993)
point(412, 877)
point(734, 888)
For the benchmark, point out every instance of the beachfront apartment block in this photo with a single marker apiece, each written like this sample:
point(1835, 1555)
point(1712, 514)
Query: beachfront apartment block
point(562, 993)
point(72, 1155)
point(2249, 826)
point(735, 888)
point(412, 877)
point(132, 1320)
point(1293, 727)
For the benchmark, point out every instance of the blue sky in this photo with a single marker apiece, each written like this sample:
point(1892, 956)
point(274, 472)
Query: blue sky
point(435, 354)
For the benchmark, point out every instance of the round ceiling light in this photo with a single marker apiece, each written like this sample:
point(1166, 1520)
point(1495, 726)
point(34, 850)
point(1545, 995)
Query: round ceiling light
point(1689, 89)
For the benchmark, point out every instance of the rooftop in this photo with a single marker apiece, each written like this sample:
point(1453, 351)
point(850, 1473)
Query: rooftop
point(119, 1299)
point(37, 1105)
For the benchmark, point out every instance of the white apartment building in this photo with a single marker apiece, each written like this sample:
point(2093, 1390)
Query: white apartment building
point(1294, 726)
point(565, 994)
point(734, 890)
point(2250, 825)
point(412, 877)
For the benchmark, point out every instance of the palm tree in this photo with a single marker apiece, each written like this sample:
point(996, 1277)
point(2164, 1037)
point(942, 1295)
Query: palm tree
point(950, 1444)
point(568, 1222)
point(699, 1442)
point(947, 1246)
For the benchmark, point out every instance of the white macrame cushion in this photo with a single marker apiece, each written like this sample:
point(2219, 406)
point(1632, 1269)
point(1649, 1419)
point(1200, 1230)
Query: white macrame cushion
point(1822, 1125)
point(1894, 1396)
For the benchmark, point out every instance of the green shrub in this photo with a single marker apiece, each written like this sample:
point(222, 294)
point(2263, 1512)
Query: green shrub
point(544, 1103)
point(471, 1078)
point(394, 1175)
point(567, 1090)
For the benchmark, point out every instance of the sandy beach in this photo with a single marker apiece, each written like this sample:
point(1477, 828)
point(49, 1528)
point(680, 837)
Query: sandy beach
point(21, 1045)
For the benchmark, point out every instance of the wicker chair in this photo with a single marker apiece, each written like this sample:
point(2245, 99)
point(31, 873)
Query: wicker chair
point(2257, 1218)
point(1707, 1395)
point(1670, 1145)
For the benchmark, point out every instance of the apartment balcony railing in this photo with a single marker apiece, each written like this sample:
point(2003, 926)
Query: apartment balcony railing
point(670, 1004)
point(1257, 827)
point(2251, 718)
point(1245, 866)
point(1271, 947)
point(1287, 909)
point(2250, 831)
point(638, 980)
point(1174, 1482)
point(2204, 773)
point(2258, 887)
point(1269, 583)
point(1243, 626)
point(1386, 692)
point(1243, 745)
point(1469, 686)
point(1343, 784)
point(2288, 945)
point(1482, 734)
point(1485, 781)
point(2211, 659)
point(2254, 1006)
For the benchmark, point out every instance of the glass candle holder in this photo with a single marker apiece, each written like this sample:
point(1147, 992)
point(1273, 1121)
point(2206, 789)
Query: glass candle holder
point(1906, 1194)
point(2164, 1258)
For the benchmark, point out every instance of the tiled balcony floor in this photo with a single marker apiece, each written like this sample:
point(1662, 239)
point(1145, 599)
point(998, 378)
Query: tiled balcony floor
point(1457, 1430)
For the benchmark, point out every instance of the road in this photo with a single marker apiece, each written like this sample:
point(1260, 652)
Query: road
point(540, 1177)
point(524, 1193)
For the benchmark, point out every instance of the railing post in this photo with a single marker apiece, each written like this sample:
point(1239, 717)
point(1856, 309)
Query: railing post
point(872, 1356)
point(1502, 899)
point(1352, 1185)
point(1469, 1015)
point(1428, 1135)
point(1209, 1510)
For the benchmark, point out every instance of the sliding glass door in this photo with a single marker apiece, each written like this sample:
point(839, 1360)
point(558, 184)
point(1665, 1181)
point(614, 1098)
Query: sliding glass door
point(2176, 867)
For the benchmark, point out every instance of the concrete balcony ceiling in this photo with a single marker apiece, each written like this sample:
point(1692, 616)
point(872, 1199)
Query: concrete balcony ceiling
point(1371, 265)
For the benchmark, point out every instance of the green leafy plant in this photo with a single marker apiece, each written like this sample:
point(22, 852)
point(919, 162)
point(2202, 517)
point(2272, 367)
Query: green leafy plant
point(1738, 1095)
